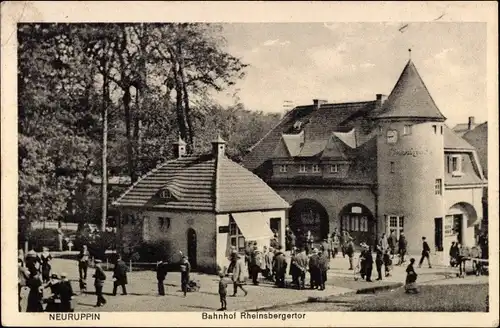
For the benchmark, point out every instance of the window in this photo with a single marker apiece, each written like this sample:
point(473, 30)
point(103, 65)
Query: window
point(237, 239)
point(455, 165)
point(334, 168)
point(393, 167)
point(165, 194)
point(164, 223)
point(302, 168)
point(363, 224)
point(441, 129)
point(435, 128)
point(438, 187)
point(315, 168)
point(396, 224)
point(283, 168)
point(407, 130)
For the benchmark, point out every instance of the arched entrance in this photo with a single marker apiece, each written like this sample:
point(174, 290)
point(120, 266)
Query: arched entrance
point(357, 219)
point(460, 221)
point(308, 215)
point(191, 247)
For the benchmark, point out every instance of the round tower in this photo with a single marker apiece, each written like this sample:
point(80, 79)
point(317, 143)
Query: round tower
point(410, 162)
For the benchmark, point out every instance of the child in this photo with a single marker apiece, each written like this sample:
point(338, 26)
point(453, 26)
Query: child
point(222, 292)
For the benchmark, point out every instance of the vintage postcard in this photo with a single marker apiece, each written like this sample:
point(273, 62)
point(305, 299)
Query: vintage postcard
point(249, 163)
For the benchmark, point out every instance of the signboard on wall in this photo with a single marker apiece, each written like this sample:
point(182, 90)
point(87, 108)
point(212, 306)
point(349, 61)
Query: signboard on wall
point(448, 226)
point(356, 209)
point(224, 229)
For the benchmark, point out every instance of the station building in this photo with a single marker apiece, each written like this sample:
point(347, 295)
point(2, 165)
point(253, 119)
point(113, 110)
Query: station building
point(202, 205)
point(388, 164)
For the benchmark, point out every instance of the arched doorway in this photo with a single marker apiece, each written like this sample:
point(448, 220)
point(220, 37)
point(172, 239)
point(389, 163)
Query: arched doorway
point(461, 219)
point(191, 247)
point(308, 215)
point(359, 221)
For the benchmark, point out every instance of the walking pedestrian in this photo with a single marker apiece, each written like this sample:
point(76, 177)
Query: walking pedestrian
point(185, 271)
point(239, 276)
point(66, 294)
point(35, 294)
point(120, 276)
point(99, 277)
point(222, 292)
point(46, 266)
point(426, 253)
point(349, 251)
point(279, 267)
point(314, 270)
point(323, 269)
point(161, 274)
point(402, 246)
point(83, 262)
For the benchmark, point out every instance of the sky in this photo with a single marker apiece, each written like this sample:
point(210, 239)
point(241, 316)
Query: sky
point(344, 62)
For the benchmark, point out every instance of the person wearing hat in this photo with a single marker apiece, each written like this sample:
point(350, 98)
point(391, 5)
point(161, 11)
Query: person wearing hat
point(239, 275)
point(120, 276)
point(256, 260)
point(53, 302)
point(324, 265)
point(402, 246)
point(314, 269)
point(99, 277)
point(32, 261)
point(349, 251)
point(185, 271)
point(66, 294)
point(161, 274)
point(45, 259)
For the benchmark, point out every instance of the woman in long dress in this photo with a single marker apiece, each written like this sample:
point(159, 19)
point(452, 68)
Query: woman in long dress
point(46, 258)
point(411, 278)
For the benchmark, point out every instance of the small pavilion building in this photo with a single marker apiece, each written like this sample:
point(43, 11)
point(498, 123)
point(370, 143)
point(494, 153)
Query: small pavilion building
point(201, 205)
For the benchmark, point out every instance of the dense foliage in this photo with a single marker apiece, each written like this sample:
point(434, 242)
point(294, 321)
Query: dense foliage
point(144, 84)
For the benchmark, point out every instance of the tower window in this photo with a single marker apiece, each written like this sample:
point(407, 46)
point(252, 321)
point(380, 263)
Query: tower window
point(438, 187)
point(435, 128)
point(334, 168)
point(283, 168)
point(315, 168)
point(441, 129)
point(303, 168)
point(407, 130)
point(455, 165)
point(393, 167)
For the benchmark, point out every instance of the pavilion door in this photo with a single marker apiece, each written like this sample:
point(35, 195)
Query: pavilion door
point(438, 234)
point(192, 247)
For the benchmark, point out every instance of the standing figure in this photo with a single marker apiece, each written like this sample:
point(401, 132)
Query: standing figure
point(302, 264)
point(294, 270)
point(368, 263)
point(349, 251)
point(391, 241)
point(379, 260)
point(22, 279)
point(411, 278)
point(239, 275)
point(161, 274)
point(32, 262)
point(335, 243)
point(263, 266)
point(35, 295)
point(83, 262)
point(384, 242)
point(314, 270)
point(402, 246)
point(60, 236)
point(248, 257)
point(120, 276)
point(99, 277)
point(54, 301)
point(222, 292)
point(362, 260)
point(66, 294)
point(269, 258)
point(309, 242)
point(426, 253)
point(279, 267)
point(185, 271)
point(323, 269)
point(46, 258)
point(387, 263)
point(453, 254)
point(256, 263)
point(325, 247)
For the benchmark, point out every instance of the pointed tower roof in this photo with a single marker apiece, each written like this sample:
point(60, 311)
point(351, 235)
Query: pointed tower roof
point(410, 98)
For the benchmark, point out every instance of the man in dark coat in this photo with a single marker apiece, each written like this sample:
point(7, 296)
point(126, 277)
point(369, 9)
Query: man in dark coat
point(65, 293)
point(99, 277)
point(255, 264)
point(185, 271)
point(35, 295)
point(120, 276)
point(391, 241)
point(279, 266)
point(379, 260)
point(302, 264)
point(349, 251)
point(314, 270)
point(368, 264)
point(83, 262)
point(161, 274)
point(323, 268)
point(402, 246)
point(426, 253)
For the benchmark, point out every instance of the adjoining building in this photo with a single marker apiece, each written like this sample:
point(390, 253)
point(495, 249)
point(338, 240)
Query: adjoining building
point(390, 164)
point(202, 205)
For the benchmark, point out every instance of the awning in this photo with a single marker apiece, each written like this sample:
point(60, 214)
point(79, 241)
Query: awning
point(253, 225)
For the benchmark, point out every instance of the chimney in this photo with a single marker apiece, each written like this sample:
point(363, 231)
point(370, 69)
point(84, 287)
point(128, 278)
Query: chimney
point(218, 147)
point(471, 122)
point(380, 100)
point(318, 102)
point(179, 148)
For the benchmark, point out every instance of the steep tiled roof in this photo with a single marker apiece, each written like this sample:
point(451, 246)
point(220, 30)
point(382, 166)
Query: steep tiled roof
point(462, 128)
point(202, 183)
point(410, 98)
point(336, 149)
point(452, 141)
point(319, 125)
point(478, 137)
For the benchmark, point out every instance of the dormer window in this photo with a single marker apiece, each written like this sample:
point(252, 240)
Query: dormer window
point(334, 168)
point(303, 168)
point(455, 165)
point(283, 168)
point(165, 194)
point(407, 130)
point(315, 168)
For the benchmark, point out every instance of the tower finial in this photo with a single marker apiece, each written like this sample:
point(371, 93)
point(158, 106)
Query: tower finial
point(409, 53)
